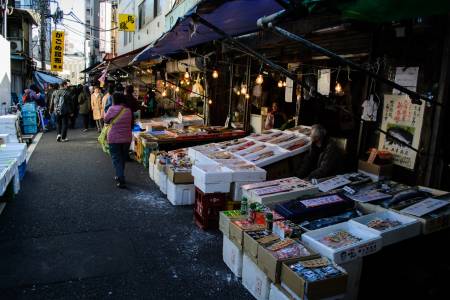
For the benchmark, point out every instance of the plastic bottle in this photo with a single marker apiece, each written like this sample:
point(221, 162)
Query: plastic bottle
point(244, 206)
point(269, 221)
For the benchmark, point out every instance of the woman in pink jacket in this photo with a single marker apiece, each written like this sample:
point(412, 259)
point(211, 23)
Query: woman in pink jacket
point(119, 137)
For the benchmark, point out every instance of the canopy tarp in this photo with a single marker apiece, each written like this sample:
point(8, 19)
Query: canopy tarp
point(379, 10)
point(43, 79)
point(235, 17)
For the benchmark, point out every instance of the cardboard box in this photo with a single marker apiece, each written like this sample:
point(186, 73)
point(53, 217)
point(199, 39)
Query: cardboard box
point(313, 290)
point(251, 246)
point(225, 220)
point(232, 256)
point(237, 234)
point(254, 280)
point(270, 265)
point(179, 177)
point(380, 171)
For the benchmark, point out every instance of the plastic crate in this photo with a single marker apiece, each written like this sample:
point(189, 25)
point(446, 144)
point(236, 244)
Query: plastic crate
point(29, 120)
point(207, 208)
point(29, 107)
point(30, 129)
point(22, 170)
point(28, 114)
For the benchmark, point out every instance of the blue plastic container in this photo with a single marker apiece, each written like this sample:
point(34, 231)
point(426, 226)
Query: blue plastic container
point(30, 129)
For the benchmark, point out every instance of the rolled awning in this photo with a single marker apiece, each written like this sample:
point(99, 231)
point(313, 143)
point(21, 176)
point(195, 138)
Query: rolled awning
point(235, 17)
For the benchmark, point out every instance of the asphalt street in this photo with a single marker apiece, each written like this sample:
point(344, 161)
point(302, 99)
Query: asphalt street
point(71, 234)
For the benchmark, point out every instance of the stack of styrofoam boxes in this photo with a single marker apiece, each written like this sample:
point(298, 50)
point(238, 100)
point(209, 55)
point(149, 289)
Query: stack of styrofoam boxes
point(29, 118)
point(254, 279)
point(8, 128)
point(212, 178)
point(180, 186)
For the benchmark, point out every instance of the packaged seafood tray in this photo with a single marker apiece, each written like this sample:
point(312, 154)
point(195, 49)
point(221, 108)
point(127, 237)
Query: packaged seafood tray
point(266, 156)
point(227, 145)
point(243, 171)
point(297, 146)
point(208, 148)
point(242, 146)
point(256, 136)
point(251, 149)
point(343, 242)
point(280, 139)
point(211, 173)
point(264, 138)
point(392, 227)
point(221, 155)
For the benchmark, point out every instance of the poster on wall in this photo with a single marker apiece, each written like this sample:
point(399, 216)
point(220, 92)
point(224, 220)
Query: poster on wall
point(402, 120)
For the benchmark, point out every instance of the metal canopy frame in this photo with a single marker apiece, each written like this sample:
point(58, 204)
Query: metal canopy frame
point(264, 23)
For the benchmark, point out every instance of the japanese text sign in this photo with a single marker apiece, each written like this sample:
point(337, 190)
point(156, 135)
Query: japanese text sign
point(127, 22)
point(57, 50)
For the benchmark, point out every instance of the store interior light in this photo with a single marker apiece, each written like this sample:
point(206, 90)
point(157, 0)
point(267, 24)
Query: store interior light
point(164, 93)
point(215, 74)
point(177, 89)
point(243, 89)
point(186, 74)
point(210, 101)
point(238, 93)
point(338, 89)
point(182, 82)
point(280, 84)
point(284, 83)
point(247, 96)
point(259, 79)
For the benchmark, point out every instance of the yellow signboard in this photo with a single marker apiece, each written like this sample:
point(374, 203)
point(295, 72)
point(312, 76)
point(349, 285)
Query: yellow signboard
point(127, 22)
point(57, 50)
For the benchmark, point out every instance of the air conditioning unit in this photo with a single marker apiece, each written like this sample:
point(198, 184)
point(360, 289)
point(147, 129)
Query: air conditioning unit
point(16, 45)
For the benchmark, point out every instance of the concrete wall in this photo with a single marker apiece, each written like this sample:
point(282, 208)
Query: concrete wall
point(5, 76)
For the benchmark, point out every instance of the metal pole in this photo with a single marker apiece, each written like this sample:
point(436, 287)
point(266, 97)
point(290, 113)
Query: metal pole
point(5, 18)
point(415, 97)
point(43, 12)
point(230, 98)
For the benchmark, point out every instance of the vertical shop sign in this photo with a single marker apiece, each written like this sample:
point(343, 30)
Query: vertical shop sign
point(127, 22)
point(57, 51)
point(403, 120)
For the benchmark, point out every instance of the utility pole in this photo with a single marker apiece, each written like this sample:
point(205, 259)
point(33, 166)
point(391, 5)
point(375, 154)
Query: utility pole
point(43, 8)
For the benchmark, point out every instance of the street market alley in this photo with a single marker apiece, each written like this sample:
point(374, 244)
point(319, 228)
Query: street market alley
point(70, 233)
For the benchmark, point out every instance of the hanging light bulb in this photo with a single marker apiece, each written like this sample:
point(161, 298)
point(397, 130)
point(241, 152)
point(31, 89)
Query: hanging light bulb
point(284, 83)
point(215, 74)
point(243, 89)
point(210, 101)
point(280, 84)
point(182, 82)
point(177, 89)
point(238, 93)
point(338, 89)
point(247, 96)
point(259, 79)
point(164, 93)
point(186, 74)
point(188, 82)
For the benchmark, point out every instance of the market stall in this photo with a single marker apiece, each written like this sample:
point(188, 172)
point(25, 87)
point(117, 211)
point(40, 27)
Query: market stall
point(295, 240)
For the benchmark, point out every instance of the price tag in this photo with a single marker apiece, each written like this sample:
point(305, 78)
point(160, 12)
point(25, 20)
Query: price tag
point(349, 190)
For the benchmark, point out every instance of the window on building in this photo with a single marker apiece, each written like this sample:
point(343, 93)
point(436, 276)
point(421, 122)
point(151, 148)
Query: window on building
point(141, 15)
point(156, 8)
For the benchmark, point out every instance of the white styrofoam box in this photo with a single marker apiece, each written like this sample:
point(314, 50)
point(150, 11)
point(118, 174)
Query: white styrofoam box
point(253, 175)
point(292, 294)
point(279, 154)
point(266, 135)
point(232, 256)
point(180, 194)
point(369, 244)
point(202, 158)
point(156, 175)
point(276, 293)
point(151, 171)
point(211, 173)
point(354, 270)
point(162, 182)
point(236, 190)
point(409, 227)
point(196, 152)
point(223, 187)
point(254, 279)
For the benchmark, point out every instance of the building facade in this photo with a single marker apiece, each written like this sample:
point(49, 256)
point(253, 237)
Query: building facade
point(92, 19)
point(150, 23)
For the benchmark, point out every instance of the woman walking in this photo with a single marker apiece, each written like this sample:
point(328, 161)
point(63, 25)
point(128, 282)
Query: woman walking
point(119, 136)
point(97, 108)
point(84, 101)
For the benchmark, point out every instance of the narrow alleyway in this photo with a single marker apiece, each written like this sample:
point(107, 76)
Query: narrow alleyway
point(71, 233)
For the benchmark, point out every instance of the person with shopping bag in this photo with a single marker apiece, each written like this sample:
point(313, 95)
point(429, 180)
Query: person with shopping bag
point(119, 122)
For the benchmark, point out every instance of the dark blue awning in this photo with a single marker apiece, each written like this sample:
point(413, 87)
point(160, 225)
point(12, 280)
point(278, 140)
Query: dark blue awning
point(42, 79)
point(234, 17)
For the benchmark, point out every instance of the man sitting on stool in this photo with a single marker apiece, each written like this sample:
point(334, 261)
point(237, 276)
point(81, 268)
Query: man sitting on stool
point(324, 158)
